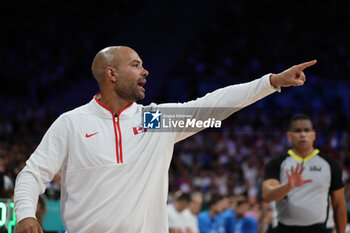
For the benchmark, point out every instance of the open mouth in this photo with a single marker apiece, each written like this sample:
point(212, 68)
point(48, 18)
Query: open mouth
point(141, 82)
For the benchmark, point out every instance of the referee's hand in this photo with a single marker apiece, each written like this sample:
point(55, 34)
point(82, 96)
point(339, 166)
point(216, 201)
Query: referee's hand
point(293, 76)
point(28, 225)
point(295, 178)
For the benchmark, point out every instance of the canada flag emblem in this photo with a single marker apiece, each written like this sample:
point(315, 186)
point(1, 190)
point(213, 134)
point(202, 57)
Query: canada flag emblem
point(139, 129)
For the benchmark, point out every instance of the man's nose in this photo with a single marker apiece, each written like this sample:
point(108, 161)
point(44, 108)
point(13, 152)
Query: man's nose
point(303, 133)
point(144, 72)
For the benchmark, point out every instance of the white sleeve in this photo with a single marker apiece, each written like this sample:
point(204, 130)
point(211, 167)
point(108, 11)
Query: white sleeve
point(40, 168)
point(225, 101)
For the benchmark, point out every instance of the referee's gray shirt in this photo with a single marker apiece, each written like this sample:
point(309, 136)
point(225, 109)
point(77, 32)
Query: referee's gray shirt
point(308, 204)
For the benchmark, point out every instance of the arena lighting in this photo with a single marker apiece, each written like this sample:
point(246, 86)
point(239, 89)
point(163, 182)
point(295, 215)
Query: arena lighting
point(6, 218)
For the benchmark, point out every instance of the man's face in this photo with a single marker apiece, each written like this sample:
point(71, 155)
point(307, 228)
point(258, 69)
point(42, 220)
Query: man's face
point(242, 209)
point(219, 207)
point(131, 76)
point(183, 205)
point(196, 204)
point(225, 202)
point(301, 135)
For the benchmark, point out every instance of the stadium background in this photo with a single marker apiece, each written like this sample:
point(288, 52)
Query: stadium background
point(189, 48)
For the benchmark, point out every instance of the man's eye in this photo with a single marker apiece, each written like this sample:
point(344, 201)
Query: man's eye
point(136, 65)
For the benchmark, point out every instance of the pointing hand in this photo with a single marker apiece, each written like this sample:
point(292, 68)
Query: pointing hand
point(293, 76)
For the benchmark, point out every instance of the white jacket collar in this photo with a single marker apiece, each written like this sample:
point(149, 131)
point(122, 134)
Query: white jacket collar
point(105, 112)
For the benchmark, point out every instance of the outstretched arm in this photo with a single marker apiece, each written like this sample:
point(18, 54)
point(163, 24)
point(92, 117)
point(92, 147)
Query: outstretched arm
point(225, 101)
point(274, 191)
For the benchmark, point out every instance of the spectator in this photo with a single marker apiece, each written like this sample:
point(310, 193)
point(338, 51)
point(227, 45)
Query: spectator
point(245, 224)
point(250, 172)
point(229, 215)
point(189, 222)
point(175, 210)
point(210, 221)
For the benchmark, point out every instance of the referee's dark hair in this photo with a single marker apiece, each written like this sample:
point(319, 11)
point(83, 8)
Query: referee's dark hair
point(298, 116)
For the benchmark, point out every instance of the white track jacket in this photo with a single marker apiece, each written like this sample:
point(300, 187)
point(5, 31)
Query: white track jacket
point(115, 179)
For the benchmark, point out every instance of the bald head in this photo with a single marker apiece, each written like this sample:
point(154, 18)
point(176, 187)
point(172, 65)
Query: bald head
point(110, 56)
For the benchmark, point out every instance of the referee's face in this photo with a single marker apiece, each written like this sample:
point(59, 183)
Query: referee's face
point(302, 135)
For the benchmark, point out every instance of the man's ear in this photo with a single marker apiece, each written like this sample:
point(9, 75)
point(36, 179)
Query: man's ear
point(111, 74)
point(288, 134)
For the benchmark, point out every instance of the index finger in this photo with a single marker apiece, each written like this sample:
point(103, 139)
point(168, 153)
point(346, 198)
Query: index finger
point(305, 65)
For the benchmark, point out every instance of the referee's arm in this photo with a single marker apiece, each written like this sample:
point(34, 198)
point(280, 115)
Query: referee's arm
point(273, 190)
point(336, 191)
point(339, 209)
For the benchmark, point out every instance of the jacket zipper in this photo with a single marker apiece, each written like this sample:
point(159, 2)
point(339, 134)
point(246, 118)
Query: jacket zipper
point(116, 137)
point(116, 126)
point(120, 133)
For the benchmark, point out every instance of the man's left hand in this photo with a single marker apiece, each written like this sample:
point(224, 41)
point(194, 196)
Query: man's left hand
point(293, 76)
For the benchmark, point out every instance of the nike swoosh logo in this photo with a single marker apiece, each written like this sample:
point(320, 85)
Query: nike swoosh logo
point(89, 135)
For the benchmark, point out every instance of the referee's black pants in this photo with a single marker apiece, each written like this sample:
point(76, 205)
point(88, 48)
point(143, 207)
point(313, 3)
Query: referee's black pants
point(317, 228)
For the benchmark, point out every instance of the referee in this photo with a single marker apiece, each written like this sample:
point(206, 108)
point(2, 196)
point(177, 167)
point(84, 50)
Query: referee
point(301, 181)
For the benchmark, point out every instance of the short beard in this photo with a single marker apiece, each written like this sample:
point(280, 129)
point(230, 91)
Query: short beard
point(129, 93)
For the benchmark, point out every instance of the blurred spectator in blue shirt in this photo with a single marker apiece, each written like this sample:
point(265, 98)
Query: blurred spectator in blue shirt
point(245, 224)
point(229, 215)
point(210, 221)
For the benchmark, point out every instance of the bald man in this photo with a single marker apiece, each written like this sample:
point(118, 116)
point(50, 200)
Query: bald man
point(115, 178)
